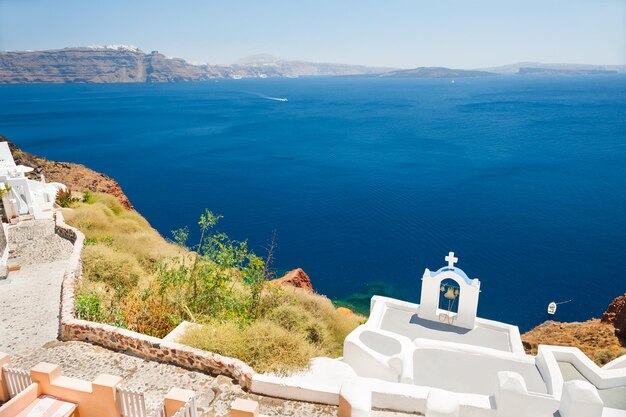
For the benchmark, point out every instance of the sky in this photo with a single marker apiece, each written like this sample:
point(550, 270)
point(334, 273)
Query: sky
point(396, 33)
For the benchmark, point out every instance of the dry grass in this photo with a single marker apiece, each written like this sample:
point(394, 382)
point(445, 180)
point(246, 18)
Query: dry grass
point(120, 244)
point(295, 327)
point(594, 338)
point(313, 316)
point(119, 257)
point(102, 263)
point(263, 345)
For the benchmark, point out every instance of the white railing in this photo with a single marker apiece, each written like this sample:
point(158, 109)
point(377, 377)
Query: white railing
point(188, 410)
point(17, 380)
point(131, 403)
point(160, 412)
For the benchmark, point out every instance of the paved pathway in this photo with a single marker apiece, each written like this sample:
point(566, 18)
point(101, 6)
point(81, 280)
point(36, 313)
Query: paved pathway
point(29, 306)
point(30, 297)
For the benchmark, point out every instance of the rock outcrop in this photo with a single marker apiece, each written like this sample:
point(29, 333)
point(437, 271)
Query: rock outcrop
point(296, 279)
point(615, 314)
point(77, 177)
point(601, 340)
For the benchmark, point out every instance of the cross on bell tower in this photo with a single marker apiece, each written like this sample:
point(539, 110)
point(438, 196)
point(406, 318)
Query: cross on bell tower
point(451, 260)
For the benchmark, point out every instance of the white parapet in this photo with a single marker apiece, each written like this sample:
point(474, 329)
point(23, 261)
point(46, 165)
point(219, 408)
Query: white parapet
point(513, 399)
point(580, 399)
point(355, 400)
point(442, 403)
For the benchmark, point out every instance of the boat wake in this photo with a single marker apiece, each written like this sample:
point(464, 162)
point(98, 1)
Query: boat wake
point(276, 98)
point(263, 96)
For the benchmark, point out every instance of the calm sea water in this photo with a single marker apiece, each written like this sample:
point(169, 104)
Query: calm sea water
point(370, 181)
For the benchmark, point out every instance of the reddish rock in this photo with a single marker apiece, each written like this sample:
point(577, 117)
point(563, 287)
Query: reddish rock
point(297, 279)
point(345, 311)
point(615, 314)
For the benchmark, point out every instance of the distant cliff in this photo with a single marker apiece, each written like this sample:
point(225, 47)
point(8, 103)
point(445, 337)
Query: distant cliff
point(97, 65)
point(121, 64)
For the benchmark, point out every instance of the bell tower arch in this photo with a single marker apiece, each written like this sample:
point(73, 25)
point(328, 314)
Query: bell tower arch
point(449, 295)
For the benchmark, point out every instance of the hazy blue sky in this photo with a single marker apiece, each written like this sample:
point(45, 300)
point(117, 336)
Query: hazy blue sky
point(403, 33)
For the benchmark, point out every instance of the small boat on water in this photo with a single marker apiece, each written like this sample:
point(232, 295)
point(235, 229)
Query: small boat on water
point(552, 308)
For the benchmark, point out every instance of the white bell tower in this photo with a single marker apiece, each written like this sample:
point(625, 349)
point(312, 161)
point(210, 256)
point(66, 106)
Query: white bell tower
point(467, 294)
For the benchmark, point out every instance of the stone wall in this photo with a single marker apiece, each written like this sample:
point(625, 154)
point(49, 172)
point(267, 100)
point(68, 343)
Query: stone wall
point(123, 340)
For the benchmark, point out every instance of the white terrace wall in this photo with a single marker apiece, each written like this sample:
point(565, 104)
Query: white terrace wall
point(123, 340)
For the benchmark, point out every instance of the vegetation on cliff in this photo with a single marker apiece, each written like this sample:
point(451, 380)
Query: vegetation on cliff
point(601, 340)
point(134, 278)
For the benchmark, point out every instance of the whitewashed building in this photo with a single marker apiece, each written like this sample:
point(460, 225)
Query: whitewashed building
point(23, 198)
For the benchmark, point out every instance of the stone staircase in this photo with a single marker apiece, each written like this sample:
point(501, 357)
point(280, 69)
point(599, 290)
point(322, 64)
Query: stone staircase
point(35, 241)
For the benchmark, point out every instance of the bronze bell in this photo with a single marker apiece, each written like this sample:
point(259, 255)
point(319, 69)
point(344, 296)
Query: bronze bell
point(450, 295)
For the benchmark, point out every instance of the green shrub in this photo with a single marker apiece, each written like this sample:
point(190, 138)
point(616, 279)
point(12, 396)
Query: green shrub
point(89, 307)
point(87, 197)
point(145, 312)
point(64, 198)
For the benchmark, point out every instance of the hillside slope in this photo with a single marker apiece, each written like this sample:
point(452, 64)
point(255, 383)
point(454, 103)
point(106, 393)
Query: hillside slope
point(601, 340)
point(76, 176)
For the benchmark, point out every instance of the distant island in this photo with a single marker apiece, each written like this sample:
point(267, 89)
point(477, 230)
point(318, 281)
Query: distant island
point(557, 71)
point(535, 68)
point(124, 63)
point(435, 72)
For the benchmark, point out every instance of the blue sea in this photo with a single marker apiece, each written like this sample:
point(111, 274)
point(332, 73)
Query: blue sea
point(369, 181)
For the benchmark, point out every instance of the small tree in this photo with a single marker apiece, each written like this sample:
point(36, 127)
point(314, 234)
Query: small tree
point(64, 198)
point(206, 284)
